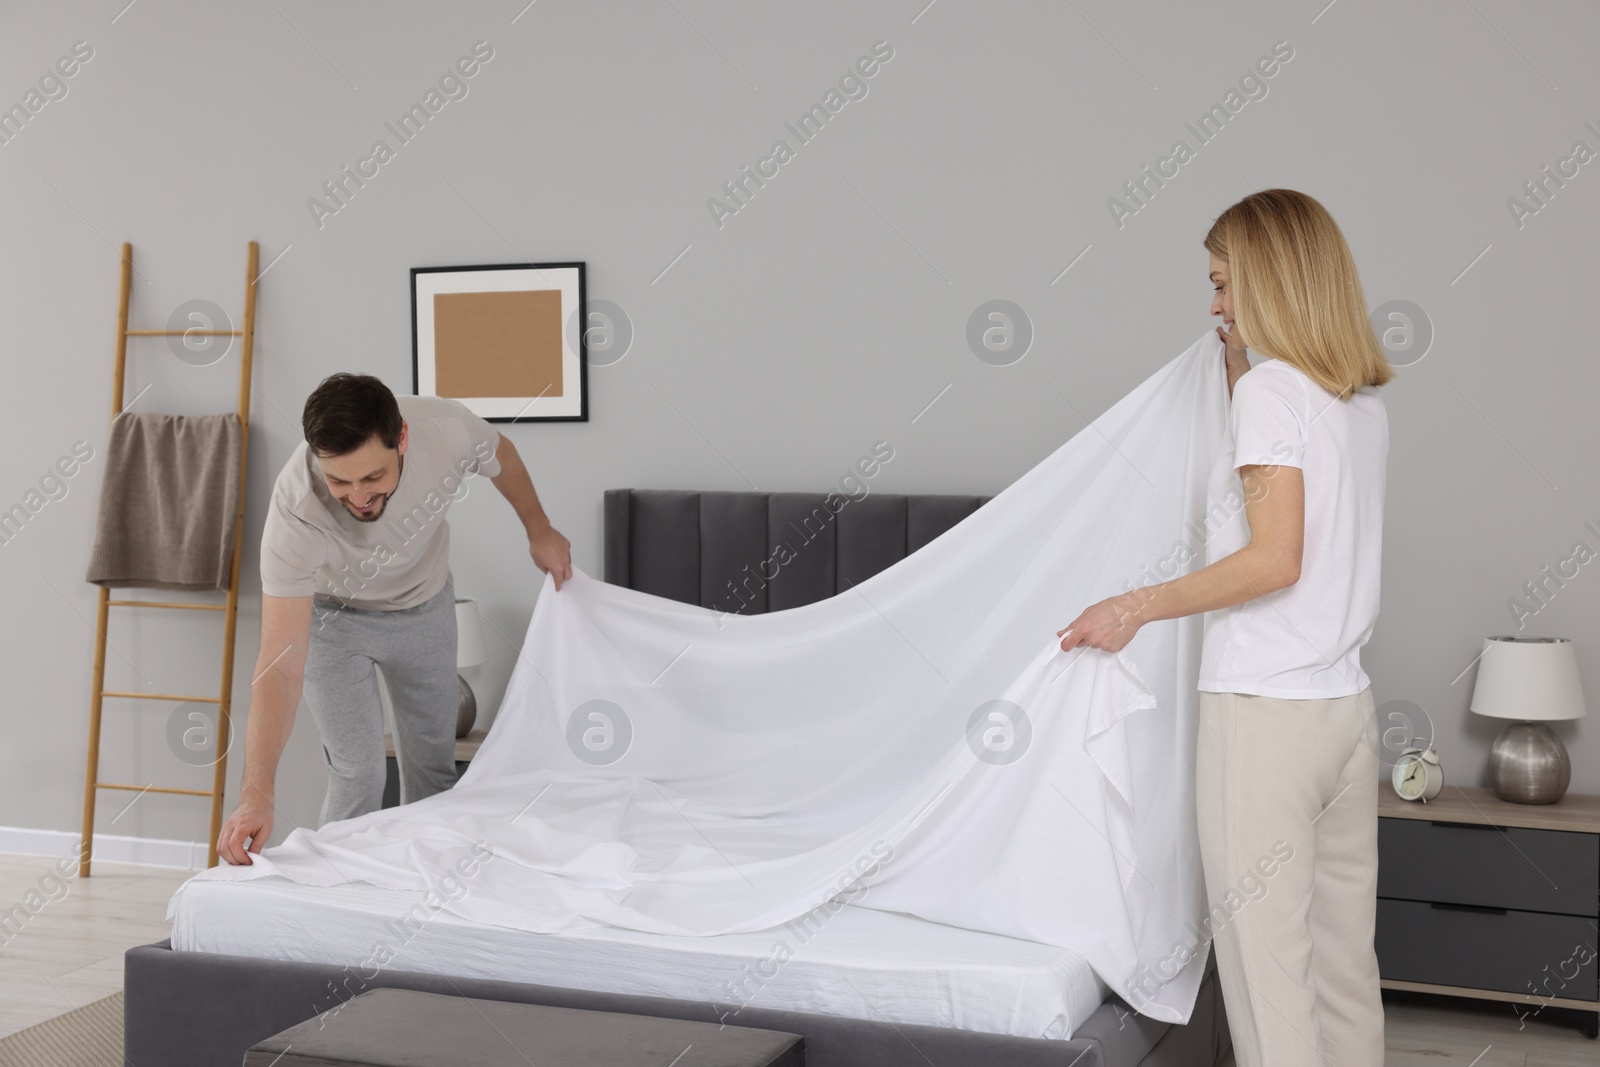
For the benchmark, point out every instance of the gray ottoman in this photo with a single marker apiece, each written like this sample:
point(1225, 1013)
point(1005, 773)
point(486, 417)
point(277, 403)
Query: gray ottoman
point(405, 1028)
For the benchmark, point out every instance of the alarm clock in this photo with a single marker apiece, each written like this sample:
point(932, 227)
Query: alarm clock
point(1417, 774)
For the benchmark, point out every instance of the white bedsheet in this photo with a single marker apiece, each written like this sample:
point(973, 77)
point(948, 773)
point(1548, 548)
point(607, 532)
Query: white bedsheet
point(859, 963)
point(920, 739)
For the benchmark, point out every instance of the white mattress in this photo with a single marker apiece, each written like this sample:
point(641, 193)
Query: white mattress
point(859, 963)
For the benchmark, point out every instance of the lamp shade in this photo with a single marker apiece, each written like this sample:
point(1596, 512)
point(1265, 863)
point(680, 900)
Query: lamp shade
point(470, 650)
point(1529, 679)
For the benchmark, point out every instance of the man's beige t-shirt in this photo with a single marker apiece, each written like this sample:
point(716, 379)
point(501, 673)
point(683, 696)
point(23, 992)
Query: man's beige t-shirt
point(311, 544)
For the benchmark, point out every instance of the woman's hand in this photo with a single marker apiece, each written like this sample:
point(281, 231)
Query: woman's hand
point(1234, 356)
point(1108, 625)
point(1236, 349)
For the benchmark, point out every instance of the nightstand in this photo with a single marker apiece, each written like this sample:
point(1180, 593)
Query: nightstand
point(1482, 898)
point(466, 748)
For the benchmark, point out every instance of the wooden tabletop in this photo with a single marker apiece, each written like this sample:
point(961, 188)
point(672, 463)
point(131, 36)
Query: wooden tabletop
point(1579, 812)
point(466, 747)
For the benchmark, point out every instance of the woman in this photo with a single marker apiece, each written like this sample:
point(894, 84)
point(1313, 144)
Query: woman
point(1285, 781)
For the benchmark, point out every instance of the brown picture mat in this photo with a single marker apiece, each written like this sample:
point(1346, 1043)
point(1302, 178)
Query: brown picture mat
point(498, 344)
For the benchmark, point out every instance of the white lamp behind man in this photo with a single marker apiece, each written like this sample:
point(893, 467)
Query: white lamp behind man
point(470, 652)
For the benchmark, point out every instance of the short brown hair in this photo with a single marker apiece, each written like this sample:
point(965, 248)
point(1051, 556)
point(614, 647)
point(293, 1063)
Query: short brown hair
point(345, 411)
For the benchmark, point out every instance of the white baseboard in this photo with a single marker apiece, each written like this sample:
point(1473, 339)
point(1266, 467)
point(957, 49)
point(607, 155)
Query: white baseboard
point(113, 848)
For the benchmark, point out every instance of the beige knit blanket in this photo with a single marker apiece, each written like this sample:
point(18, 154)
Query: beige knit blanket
point(167, 502)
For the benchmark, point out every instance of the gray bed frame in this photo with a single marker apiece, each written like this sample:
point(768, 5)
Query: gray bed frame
point(199, 1009)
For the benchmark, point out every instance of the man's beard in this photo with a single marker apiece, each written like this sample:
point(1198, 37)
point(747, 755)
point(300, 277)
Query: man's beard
point(374, 517)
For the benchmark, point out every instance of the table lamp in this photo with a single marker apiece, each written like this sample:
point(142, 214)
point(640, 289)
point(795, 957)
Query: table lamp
point(470, 652)
point(1532, 680)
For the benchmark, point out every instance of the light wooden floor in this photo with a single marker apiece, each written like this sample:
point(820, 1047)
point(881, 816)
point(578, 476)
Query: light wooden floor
point(69, 954)
point(69, 951)
point(1420, 1029)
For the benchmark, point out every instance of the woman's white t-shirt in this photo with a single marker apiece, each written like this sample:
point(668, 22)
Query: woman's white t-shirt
point(1303, 641)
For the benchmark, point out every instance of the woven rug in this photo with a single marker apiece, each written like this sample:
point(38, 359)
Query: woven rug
point(90, 1036)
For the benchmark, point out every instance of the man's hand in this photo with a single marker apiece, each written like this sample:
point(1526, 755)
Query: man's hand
point(274, 696)
point(552, 553)
point(1110, 625)
point(252, 822)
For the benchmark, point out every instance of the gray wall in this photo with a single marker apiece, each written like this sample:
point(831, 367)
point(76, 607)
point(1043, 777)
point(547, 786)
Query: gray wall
point(824, 315)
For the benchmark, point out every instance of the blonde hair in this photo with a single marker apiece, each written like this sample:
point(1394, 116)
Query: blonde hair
point(1296, 294)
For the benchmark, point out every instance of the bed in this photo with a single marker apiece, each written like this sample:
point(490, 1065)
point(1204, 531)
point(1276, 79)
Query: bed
point(868, 987)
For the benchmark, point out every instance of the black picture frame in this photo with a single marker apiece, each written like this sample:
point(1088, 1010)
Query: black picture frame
point(573, 330)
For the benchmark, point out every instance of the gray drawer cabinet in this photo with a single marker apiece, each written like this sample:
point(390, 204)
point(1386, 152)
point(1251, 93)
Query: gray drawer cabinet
point(1481, 898)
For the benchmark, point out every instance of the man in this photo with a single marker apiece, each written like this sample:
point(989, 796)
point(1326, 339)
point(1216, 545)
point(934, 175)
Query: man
point(355, 573)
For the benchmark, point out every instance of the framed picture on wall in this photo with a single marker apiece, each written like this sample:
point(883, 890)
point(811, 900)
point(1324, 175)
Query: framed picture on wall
point(502, 339)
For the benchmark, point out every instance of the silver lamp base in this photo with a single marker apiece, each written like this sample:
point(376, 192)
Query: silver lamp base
point(1529, 764)
point(467, 710)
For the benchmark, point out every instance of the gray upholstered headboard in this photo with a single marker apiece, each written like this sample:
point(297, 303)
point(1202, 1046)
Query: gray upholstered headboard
point(753, 552)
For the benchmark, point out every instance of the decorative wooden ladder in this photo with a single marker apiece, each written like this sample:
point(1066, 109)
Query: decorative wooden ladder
point(230, 608)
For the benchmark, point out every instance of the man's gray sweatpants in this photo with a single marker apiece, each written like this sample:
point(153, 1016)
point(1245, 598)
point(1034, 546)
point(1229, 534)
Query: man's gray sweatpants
point(416, 649)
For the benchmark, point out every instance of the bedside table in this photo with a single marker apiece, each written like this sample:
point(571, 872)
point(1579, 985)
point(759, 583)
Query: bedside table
point(466, 748)
point(1482, 898)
